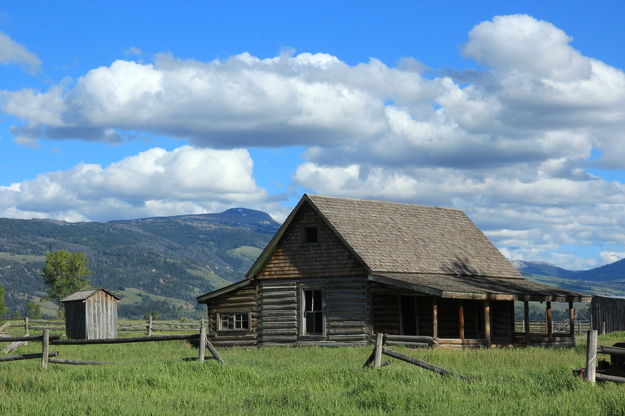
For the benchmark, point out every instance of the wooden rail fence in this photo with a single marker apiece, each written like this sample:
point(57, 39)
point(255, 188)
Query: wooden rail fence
point(540, 327)
point(590, 372)
point(375, 359)
point(149, 327)
point(47, 340)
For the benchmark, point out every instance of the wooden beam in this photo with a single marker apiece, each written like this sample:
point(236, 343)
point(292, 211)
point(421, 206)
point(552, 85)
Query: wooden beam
point(379, 342)
point(591, 356)
point(571, 319)
point(461, 320)
point(26, 356)
point(77, 362)
point(44, 348)
point(435, 319)
point(421, 364)
point(526, 321)
point(549, 315)
point(202, 342)
point(487, 323)
point(124, 340)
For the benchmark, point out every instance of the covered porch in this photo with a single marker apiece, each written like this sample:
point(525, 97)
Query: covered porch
point(465, 311)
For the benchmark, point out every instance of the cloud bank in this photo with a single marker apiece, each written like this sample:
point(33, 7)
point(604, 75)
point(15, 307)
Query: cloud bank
point(510, 143)
point(151, 183)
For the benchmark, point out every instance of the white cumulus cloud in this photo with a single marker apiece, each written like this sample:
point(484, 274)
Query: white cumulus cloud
point(153, 182)
point(510, 143)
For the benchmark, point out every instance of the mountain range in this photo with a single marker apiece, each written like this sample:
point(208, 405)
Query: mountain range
point(155, 264)
point(161, 264)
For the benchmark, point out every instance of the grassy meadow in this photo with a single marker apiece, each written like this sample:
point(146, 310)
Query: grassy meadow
point(150, 379)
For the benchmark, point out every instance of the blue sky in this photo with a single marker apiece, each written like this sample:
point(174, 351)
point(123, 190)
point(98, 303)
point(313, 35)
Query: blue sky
point(511, 111)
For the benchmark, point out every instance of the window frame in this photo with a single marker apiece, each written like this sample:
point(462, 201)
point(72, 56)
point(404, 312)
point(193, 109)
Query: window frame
point(234, 314)
point(302, 312)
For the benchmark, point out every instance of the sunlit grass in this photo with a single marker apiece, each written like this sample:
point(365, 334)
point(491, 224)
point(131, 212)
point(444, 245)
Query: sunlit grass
point(150, 379)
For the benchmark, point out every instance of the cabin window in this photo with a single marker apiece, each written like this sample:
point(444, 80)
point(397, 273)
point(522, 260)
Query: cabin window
point(233, 321)
point(311, 235)
point(313, 312)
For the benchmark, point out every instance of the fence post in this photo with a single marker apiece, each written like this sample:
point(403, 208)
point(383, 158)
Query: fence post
point(603, 328)
point(378, 350)
point(26, 326)
point(202, 342)
point(591, 356)
point(45, 342)
point(150, 325)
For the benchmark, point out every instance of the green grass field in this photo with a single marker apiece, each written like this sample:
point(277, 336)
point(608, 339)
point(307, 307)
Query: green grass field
point(150, 380)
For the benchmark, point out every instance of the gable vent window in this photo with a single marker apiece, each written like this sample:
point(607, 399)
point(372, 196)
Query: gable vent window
point(311, 235)
point(313, 312)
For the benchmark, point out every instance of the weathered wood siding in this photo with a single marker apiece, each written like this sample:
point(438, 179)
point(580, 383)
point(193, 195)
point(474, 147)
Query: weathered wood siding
point(346, 311)
point(91, 318)
point(610, 311)
point(101, 316)
point(294, 258)
point(244, 300)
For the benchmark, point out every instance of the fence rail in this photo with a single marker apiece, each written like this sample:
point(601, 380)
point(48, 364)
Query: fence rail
point(540, 327)
point(123, 326)
point(47, 339)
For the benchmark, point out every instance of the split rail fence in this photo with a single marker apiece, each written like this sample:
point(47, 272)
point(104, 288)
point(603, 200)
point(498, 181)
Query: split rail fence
point(540, 327)
point(149, 327)
point(47, 340)
point(590, 372)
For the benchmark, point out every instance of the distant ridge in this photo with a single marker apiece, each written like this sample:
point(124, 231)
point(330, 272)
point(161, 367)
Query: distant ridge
point(157, 263)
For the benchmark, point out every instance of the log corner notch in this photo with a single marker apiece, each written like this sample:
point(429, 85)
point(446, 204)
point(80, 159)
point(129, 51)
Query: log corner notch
point(379, 350)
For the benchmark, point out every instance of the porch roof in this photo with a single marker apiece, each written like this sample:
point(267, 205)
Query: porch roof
point(478, 287)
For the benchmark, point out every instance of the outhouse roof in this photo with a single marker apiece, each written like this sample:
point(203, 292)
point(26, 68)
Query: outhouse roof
point(86, 294)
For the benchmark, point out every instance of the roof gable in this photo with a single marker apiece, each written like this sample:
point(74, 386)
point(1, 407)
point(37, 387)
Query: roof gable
point(403, 238)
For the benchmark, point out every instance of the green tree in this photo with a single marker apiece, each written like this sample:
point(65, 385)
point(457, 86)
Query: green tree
point(64, 273)
point(33, 310)
point(3, 307)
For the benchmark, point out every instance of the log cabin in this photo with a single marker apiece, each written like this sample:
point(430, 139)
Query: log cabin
point(340, 270)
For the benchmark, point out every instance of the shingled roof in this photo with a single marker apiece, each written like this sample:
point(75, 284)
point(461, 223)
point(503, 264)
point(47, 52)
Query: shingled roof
point(433, 250)
point(408, 238)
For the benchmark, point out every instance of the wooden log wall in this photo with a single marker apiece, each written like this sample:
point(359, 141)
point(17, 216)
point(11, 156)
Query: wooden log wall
point(294, 258)
point(242, 300)
point(608, 310)
point(346, 311)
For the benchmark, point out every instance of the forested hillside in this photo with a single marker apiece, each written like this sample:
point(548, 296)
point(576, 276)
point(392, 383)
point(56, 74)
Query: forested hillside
point(155, 264)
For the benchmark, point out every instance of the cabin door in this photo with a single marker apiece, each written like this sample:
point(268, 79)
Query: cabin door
point(409, 322)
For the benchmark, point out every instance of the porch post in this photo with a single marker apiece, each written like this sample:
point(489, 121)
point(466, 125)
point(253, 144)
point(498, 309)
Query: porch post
point(526, 321)
point(435, 318)
point(487, 322)
point(461, 320)
point(549, 314)
point(571, 320)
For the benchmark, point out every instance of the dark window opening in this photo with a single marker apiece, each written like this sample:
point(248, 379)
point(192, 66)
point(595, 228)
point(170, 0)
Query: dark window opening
point(311, 235)
point(408, 315)
point(313, 312)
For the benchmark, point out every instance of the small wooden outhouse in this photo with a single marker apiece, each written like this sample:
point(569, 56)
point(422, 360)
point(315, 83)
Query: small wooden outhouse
point(90, 314)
